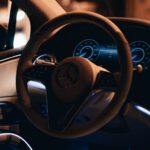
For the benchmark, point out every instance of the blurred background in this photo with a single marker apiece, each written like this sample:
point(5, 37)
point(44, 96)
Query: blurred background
point(120, 8)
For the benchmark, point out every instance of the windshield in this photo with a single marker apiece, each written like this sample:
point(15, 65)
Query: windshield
point(111, 8)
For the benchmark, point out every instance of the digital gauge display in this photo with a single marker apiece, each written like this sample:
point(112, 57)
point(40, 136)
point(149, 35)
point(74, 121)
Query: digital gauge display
point(88, 48)
point(106, 54)
point(140, 51)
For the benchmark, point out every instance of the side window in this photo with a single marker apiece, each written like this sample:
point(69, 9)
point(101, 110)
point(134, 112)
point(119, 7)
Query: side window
point(22, 32)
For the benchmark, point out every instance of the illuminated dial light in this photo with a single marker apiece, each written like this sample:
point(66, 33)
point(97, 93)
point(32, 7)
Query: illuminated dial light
point(88, 49)
point(140, 51)
point(138, 55)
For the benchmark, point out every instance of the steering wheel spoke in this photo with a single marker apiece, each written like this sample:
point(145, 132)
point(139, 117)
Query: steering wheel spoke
point(61, 117)
point(107, 81)
point(39, 72)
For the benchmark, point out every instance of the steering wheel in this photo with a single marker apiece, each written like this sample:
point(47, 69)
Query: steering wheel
point(63, 79)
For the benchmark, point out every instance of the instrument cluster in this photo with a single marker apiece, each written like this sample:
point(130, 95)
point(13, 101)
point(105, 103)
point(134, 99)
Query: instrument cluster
point(92, 50)
point(89, 41)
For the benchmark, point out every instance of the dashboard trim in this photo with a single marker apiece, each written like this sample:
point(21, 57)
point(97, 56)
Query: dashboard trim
point(138, 22)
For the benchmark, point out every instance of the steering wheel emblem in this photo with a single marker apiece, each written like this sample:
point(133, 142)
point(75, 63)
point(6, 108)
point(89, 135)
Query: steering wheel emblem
point(67, 75)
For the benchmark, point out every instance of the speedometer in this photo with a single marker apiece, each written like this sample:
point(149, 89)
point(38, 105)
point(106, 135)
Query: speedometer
point(88, 48)
point(140, 51)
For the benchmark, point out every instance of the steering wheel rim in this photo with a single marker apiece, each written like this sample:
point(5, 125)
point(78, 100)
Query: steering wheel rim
point(125, 68)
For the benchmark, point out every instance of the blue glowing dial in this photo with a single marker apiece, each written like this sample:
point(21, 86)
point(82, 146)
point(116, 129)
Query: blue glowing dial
point(140, 51)
point(138, 55)
point(88, 49)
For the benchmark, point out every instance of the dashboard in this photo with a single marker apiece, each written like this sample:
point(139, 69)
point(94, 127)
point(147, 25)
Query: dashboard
point(92, 50)
point(88, 41)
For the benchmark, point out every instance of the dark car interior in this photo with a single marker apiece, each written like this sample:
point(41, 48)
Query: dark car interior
point(74, 75)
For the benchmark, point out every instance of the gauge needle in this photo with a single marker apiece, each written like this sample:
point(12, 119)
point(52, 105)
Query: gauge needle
point(134, 57)
point(82, 55)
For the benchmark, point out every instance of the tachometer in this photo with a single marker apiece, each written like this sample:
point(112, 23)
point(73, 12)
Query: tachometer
point(140, 51)
point(88, 48)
